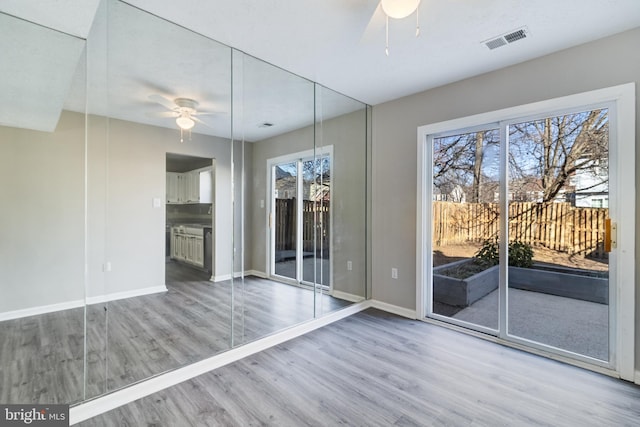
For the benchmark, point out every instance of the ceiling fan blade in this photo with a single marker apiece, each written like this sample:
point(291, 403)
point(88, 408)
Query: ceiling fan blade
point(163, 114)
point(375, 28)
point(208, 113)
point(164, 101)
point(197, 120)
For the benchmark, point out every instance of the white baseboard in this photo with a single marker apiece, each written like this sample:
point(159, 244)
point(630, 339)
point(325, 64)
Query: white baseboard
point(126, 294)
point(237, 274)
point(137, 391)
point(346, 296)
point(43, 309)
point(256, 273)
point(220, 278)
point(394, 309)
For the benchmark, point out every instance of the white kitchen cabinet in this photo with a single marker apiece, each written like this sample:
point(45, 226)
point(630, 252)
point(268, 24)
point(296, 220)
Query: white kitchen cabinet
point(195, 186)
point(187, 245)
point(197, 256)
point(173, 187)
point(176, 245)
point(192, 187)
point(205, 179)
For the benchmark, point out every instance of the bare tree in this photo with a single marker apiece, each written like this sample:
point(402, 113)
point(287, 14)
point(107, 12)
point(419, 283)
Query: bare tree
point(460, 161)
point(477, 167)
point(554, 149)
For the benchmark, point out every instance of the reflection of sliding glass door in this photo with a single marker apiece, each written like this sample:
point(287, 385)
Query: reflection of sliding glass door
point(285, 219)
point(300, 218)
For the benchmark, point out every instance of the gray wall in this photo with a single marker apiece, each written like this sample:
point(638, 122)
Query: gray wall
point(347, 134)
point(602, 63)
point(292, 142)
point(42, 215)
point(134, 161)
point(42, 220)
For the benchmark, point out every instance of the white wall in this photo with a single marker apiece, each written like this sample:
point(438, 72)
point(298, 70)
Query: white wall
point(602, 63)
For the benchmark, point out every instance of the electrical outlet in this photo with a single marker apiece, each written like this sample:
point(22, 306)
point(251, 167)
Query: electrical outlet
point(106, 267)
point(394, 273)
point(349, 266)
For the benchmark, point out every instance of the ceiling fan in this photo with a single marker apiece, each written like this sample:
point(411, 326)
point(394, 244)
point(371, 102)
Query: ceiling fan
point(184, 110)
point(395, 9)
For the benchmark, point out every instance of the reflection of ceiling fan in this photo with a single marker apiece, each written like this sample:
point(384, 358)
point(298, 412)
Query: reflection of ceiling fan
point(184, 110)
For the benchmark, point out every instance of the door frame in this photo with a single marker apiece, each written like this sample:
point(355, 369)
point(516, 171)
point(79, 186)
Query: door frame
point(621, 101)
point(311, 154)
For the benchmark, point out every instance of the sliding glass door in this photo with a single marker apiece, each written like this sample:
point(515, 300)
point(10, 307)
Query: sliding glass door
point(518, 234)
point(558, 278)
point(300, 218)
point(285, 219)
point(466, 227)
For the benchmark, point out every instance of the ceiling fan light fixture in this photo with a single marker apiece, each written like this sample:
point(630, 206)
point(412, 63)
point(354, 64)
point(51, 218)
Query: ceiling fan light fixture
point(399, 9)
point(185, 122)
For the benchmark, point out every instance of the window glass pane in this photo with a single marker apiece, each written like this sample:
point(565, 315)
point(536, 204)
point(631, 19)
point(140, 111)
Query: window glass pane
point(558, 201)
point(466, 177)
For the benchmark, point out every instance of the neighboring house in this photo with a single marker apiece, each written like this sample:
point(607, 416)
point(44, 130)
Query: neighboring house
point(316, 191)
point(449, 193)
point(592, 186)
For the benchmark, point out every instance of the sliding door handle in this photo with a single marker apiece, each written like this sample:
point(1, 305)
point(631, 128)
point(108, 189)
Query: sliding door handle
point(610, 235)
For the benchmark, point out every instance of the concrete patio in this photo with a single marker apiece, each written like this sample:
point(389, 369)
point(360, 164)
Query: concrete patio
point(570, 324)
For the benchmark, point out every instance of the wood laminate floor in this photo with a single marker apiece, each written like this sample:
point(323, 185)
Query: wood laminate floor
point(377, 369)
point(42, 357)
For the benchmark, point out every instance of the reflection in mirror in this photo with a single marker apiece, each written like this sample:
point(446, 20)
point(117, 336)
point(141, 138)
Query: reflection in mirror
point(270, 104)
point(42, 170)
point(339, 199)
point(160, 174)
point(153, 222)
point(295, 136)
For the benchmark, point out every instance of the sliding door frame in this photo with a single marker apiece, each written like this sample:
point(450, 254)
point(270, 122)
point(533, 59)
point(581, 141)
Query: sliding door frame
point(621, 103)
point(298, 158)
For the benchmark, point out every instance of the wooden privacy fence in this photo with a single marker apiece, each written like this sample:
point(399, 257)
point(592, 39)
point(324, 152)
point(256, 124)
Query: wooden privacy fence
point(315, 218)
point(558, 226)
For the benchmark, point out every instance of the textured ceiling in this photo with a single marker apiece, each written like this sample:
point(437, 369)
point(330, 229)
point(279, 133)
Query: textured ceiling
point(338, 43)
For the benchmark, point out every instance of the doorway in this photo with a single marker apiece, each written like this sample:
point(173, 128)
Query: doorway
point(300, 218)
point(517, 224)
point(189, 218)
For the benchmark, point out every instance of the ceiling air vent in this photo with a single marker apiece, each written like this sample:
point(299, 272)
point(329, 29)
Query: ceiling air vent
point(265, 125)
point(495, 43)
point(505, 39)
point(515, 36)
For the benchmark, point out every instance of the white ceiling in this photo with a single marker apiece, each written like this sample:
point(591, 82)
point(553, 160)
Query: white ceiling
point(331, 41)
point(37, 64)
point(338, 43)
point(73, 17)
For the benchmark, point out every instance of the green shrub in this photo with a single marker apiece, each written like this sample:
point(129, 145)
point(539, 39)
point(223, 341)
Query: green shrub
point(520, 254)
point(489, 253)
